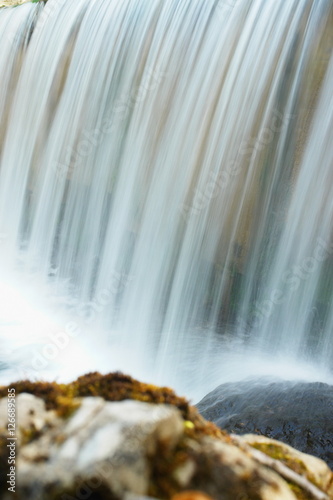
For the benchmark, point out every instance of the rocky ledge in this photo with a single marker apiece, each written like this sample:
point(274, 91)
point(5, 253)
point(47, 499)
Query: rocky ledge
point(112, 437)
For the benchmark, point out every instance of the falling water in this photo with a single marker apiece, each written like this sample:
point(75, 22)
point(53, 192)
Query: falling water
point(165, 188)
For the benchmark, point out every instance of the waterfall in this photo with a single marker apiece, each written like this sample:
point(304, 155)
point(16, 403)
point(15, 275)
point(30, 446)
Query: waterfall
point(165, 187)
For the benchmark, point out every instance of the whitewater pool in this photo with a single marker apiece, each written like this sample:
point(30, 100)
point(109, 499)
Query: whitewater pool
point(38, 340)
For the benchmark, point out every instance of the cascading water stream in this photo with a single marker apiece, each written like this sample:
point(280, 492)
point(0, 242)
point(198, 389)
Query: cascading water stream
point(162, 166)
point(300, 281)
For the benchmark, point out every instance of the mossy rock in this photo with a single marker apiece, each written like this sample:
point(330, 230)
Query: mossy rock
point(112, 387)
point(195, 455)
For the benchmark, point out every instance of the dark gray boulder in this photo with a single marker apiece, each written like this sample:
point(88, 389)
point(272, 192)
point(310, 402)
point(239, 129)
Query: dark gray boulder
point(297, 413)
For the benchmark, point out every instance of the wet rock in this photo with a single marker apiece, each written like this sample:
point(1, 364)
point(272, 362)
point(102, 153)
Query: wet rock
point(89, 447)
point(227, 472)
point(299, 414)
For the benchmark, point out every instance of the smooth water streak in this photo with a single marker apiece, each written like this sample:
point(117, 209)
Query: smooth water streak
point(162, 166)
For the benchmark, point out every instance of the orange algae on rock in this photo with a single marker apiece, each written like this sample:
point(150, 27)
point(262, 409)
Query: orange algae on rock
point(191, 495)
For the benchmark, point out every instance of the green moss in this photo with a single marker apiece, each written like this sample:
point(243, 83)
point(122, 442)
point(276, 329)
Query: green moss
point(291, 461)
point(278, 453)
point(298, 492)
point(29, 435)
point(66, 406)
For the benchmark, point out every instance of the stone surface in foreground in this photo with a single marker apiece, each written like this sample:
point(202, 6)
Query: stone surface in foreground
point(94, 448)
